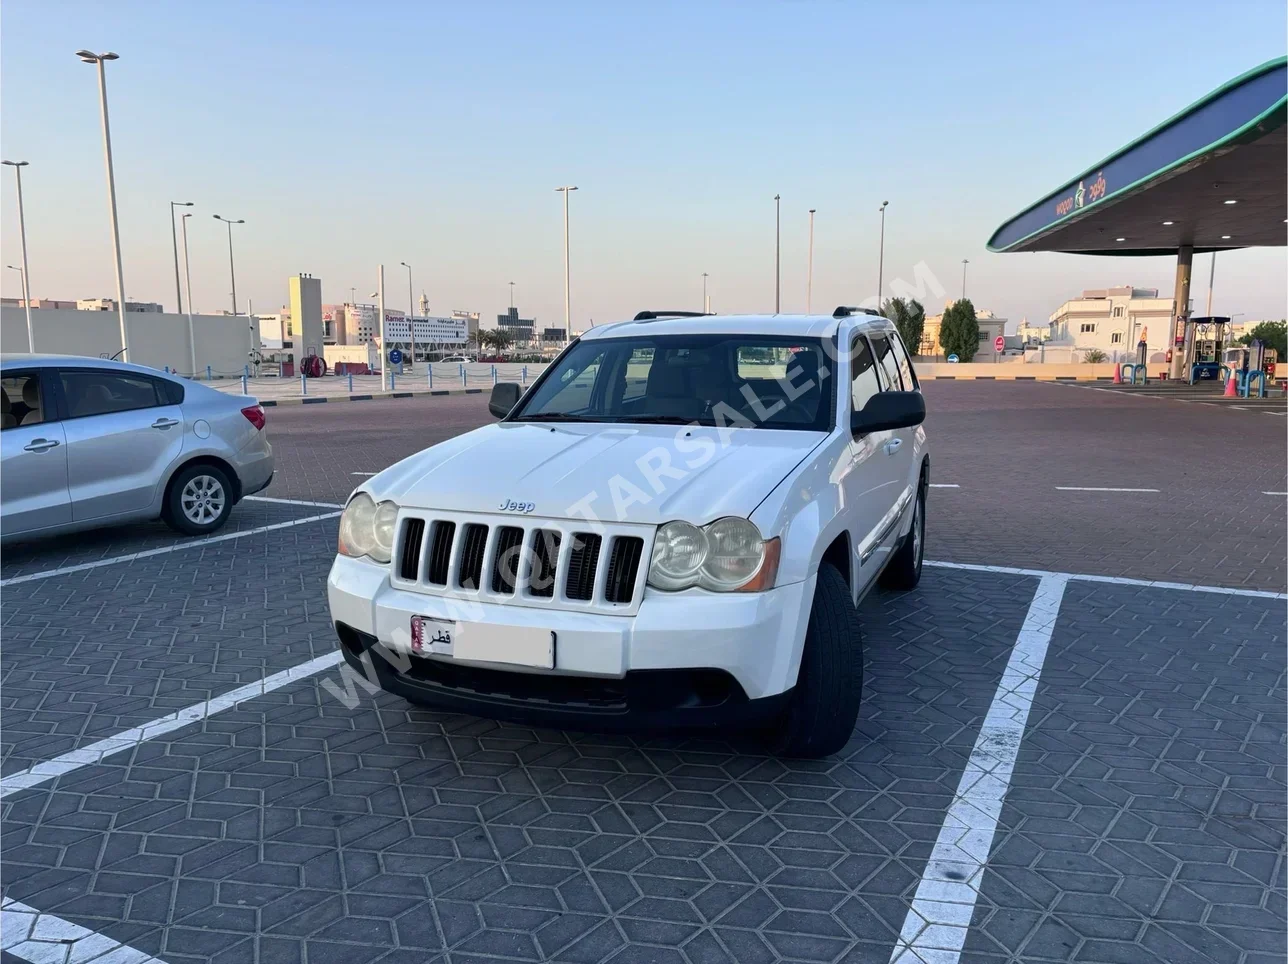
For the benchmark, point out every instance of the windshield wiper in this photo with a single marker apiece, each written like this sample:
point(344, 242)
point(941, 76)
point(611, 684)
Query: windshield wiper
point(659, 420)
point(555, 417)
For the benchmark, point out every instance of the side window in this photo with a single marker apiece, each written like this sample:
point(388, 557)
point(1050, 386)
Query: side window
point(888, 363)
point(21, 402)
point(863, 374)
point(905, 364)
point(102, 393)
point(171, 392)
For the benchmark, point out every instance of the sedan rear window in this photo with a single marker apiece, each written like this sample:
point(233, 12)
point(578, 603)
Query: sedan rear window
point(102, 393)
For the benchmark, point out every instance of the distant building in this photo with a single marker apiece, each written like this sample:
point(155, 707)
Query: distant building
point(275, 333)
point(109, 304)
point(1112, 320)
point(40, 303)
point(471, 319)
point(554, 334)
point(519, 329)
point(306, 313)
point(1032, 334)
point(990, 327)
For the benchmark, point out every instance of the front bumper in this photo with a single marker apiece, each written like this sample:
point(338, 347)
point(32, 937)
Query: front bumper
point(692, 657)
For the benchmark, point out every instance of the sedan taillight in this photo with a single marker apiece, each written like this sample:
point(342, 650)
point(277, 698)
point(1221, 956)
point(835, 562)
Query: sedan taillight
point(255, 415)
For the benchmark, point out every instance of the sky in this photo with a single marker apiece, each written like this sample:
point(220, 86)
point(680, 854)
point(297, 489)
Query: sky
point(353, 134)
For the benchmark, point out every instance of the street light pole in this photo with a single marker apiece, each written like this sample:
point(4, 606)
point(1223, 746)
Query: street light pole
point(187, 274)
point(704, 292)
point(100, 60)
point(178, 295)
point(22, 231)
point(567, 287)
point(232, 271)
point(809, 273)
point(411, 316)
point(511, 294)
point(965, 261)
point(778, 263)
point(881, 258)
point(384, 334)
point(26, 300)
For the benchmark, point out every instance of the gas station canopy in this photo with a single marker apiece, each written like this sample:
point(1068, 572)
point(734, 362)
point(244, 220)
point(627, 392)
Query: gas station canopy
point(1213, 177)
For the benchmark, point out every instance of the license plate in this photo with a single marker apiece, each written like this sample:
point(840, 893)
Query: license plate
point(484, 642)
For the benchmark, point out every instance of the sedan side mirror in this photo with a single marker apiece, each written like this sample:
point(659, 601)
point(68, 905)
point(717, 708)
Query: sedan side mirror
point(505, 395)
point(889, 410)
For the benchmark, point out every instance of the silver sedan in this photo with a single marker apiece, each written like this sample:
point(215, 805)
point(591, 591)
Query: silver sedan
point(87, 442)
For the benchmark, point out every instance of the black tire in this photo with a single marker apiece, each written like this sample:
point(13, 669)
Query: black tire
point(904, 570)
point(199, 500)
point(829, 686)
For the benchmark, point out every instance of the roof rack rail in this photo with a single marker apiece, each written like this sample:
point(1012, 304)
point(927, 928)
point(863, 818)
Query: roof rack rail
point(844, 311)
point(654, 315)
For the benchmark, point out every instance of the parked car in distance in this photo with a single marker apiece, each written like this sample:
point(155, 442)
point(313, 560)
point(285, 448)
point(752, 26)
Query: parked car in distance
point(673, 526)
point(87, 442)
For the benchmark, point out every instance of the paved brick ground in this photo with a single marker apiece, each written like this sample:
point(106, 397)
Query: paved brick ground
point(1145, 822)
point(295, 829)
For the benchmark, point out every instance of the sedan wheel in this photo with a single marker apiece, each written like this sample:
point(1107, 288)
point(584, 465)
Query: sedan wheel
point(202, 500)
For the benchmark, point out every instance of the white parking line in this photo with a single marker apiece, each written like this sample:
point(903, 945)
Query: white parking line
point(40, 773)
point(364, 473)
point(265, 498)
point(1115, 580)
point(936, 924)
point(179, 547)
point(944, 485)
point(1274, 493)
point(1098, 488)
point(44, 939)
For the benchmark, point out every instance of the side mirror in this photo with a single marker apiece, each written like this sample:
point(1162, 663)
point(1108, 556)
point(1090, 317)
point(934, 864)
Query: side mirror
point(505, 395)
point(889, 410)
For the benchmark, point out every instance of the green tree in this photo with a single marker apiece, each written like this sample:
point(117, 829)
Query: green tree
point(959, 331)
point(909, 319)
point(1095, 356)
point(1273, 333)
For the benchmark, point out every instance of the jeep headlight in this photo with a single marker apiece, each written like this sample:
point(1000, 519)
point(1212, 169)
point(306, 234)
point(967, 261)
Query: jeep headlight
point(726, 556)
point(367, 529)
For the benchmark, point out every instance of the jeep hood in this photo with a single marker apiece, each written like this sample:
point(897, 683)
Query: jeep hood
point(556, 467)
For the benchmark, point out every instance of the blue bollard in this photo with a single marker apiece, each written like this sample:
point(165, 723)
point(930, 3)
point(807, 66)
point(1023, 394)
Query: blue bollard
point(525, 374)
point(464, 376)
point(351, 383)
point(209, 377)
point(244, 391)
point(304, 386)
point(493, 374)
point(393, 382)
point(429, 371)
point(245, 371)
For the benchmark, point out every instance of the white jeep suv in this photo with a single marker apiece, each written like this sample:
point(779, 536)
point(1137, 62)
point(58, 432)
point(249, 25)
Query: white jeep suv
point(672, 527)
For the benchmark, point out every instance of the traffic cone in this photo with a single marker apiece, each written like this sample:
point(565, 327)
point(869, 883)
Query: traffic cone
point(1231, 391)
point(1118, 374)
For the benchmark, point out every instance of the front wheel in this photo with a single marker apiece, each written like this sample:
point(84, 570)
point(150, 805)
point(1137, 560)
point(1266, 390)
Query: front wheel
point(829, 685)
point(904, 570)
point(199, 500)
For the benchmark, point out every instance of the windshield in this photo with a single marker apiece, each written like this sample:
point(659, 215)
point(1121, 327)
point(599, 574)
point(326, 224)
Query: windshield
point(758, 381)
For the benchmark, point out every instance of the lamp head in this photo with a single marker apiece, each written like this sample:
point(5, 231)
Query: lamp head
point(15, 163)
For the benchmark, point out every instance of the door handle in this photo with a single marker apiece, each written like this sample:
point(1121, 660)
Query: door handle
point(39, 444)
point(165, 422)
point(892, 446)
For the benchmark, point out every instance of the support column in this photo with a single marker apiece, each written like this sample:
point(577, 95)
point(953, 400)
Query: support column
point(1181, 314)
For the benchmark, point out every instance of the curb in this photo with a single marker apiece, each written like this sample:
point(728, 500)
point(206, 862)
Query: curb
point(321, 399)
point(1018, 378)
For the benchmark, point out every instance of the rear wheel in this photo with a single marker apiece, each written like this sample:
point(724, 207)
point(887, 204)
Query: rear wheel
point(199, 500)
point(829, 686)
point(904, 570)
